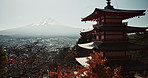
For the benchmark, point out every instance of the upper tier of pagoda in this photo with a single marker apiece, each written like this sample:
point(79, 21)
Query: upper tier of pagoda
point(111, 11)
point(127, 29)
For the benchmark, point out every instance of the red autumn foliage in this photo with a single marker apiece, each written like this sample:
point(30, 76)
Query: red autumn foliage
point(96, 69)
point(8, 61)
point(117, 73)
point(62, 73)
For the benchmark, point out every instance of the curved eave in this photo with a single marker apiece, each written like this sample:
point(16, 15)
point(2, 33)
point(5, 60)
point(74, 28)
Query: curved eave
point(83, 60)
point(125, 14)
point(92, 17)
point(88, 46)
point(121, 11)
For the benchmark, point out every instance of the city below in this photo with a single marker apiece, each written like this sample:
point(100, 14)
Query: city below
point(51, 43)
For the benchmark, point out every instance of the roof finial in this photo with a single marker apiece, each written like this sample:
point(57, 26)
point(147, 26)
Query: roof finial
point(108, 2)
point(108, 5)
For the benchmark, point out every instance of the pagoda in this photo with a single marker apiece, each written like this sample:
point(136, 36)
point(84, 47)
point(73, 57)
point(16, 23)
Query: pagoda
point(109, 34)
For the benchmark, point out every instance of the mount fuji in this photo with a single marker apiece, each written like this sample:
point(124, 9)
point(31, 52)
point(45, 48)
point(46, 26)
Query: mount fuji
point(45, 28)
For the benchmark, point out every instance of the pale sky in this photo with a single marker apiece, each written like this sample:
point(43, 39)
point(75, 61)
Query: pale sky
point(17, 13)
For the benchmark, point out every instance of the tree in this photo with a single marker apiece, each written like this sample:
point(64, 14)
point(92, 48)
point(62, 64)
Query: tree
point(142, 39)
point(27, 61)
point(2, 65)
point(139, 38)
point(96, 69)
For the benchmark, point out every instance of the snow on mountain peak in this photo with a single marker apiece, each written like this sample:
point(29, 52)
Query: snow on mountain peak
point(46, 21)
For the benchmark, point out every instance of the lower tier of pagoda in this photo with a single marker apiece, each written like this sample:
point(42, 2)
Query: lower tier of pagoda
point(112, 50)
point(113, 46)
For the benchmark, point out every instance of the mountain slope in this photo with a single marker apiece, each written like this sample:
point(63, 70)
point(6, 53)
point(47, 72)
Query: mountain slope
point(45, 27)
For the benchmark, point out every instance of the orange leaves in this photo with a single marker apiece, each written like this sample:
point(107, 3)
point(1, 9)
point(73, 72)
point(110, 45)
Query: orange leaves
point(62, 73)
point(96, 69)
point(117, 73)
point(54, 74)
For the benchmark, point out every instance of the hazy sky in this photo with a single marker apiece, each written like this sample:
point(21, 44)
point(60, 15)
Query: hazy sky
point(15, 13)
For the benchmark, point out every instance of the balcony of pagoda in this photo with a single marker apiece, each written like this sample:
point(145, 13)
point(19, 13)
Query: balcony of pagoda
point(115, 24)
point(116, 55)
point(97, 25)
point(110, 24)
point(95, 40)
point(119, 57)
point(116, 40)
point(110, 40)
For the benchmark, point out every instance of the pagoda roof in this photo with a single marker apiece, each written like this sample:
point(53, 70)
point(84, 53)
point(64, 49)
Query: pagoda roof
point(113, 46)
point(86, 30)
point(83, 60)
point(118, 29)
point(125, 14)
point(122, 28)
point(87, 45)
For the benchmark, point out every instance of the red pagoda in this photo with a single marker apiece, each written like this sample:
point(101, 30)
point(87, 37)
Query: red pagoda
point(109, 35)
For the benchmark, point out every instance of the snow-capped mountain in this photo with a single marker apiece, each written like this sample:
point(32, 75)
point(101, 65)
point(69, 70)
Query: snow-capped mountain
point(47, 21)
point(45, 27)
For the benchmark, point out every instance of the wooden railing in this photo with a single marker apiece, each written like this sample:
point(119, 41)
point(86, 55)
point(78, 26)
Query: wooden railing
point(119, 57)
